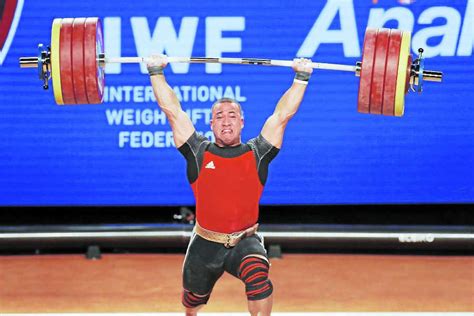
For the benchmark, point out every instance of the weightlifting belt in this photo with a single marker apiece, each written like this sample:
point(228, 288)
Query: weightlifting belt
point(229, 240)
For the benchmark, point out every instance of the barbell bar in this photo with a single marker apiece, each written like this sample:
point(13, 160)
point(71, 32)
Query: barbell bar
point(76, 61)
point(226, 60)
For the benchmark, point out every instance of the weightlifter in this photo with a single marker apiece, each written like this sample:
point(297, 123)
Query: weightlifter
point(227, 178)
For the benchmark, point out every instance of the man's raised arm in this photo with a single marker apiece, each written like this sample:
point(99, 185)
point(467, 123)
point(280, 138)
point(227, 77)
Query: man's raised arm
point(289, 103)
point(168, 102)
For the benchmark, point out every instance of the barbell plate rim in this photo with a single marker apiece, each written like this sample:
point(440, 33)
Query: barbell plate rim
point(377, 88)
point(91, 65)
point(78, 61)
point(67, 85)
point(391, 72)
point(101, 70)
point(365, 80)
point(402, 72)
point(55, 61)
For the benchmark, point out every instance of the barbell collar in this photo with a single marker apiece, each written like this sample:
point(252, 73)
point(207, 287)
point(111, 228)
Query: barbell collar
point(28, 62)
point(428, 75)
point(358, 68)
point(431, 75)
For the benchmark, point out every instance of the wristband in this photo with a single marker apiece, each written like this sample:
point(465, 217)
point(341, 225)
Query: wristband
point(302, 76)
point(155, 70)
point(300, 81)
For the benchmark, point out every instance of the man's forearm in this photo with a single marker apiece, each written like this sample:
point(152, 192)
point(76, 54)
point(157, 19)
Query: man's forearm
point(291, 100)
point(167, 100)
point(165, 96)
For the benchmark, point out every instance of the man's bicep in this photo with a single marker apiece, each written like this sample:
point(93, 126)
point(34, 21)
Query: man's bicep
point(182, 127)
point(273, 130)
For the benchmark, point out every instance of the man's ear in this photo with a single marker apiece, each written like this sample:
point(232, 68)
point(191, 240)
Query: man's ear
point(242, 122)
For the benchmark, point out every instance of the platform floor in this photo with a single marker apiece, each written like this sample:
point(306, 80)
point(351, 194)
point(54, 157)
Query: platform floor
point(313, 283)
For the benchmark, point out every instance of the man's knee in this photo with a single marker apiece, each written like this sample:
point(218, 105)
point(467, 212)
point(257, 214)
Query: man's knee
point(253, 272)
point(192, 300)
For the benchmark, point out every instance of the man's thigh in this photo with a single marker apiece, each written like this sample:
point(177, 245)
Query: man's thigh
point(250, 246)
point(203, 265)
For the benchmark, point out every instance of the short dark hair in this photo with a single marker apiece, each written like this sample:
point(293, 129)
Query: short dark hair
point(230, 100)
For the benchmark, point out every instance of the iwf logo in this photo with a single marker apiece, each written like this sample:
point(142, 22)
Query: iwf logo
point(10, 12)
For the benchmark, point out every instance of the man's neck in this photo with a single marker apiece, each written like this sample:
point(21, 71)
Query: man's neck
point(222, 145)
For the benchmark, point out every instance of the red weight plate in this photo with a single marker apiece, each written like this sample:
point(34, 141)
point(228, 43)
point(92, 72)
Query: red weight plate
point(65, 56)
point(78, 61)
point(378, 76)
point(365, 82)
point(391, 72)
point(93, 46)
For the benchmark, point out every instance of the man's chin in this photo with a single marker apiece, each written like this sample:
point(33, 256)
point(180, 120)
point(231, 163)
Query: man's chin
point(228, 137)
point(229, 141)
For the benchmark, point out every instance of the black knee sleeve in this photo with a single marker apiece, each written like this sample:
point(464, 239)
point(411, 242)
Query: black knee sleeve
point(190, 300)
point(254, 273)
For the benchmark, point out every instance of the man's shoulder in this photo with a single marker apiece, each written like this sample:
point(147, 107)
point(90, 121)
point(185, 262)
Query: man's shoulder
point(262, 147)
point(259, 142)
point(195, 143)
point(198, 138)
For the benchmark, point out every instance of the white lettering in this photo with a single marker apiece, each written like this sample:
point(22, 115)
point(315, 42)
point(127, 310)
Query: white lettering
point(198, 114)
point(146, 117)
point(138, 94)
point(403, 16)
point(229, 92)
point(320, 32)
point(149, 139)
point(114, 117)
point(449, 31)
point(127, 90)
point(416, 238)
point(113, 94)
point(165, 39)
point(159, 117)
point(239, 97)
point(159, 139)
point(113, 43)
point(185, 93)
point(178, 93)
point(169, 140)
point(203, 93)
point(135, 117)
point(124, 137)
point(215, 93)
point(135, 139)
point(216, 44)
point(466, 41)
point(128, 117)
point(149, 95)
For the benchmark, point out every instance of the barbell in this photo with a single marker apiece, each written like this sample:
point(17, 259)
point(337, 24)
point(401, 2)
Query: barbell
point(75, 62)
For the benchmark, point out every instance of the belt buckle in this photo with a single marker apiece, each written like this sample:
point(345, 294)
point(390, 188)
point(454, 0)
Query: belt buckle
point(233, 239)
point(228, 239)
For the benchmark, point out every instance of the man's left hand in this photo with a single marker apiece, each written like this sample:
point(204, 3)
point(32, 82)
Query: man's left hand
point(302, 65)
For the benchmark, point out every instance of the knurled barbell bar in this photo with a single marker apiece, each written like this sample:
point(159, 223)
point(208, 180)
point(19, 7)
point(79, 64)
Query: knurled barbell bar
point(75, 62)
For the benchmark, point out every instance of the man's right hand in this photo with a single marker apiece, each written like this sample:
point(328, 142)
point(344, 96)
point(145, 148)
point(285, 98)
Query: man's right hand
point(156, 64)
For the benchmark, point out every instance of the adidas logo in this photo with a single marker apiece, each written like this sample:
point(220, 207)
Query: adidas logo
point(210, 165)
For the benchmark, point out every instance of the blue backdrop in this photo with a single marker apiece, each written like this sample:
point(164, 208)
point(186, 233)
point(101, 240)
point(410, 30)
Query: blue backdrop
point(119, 153)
